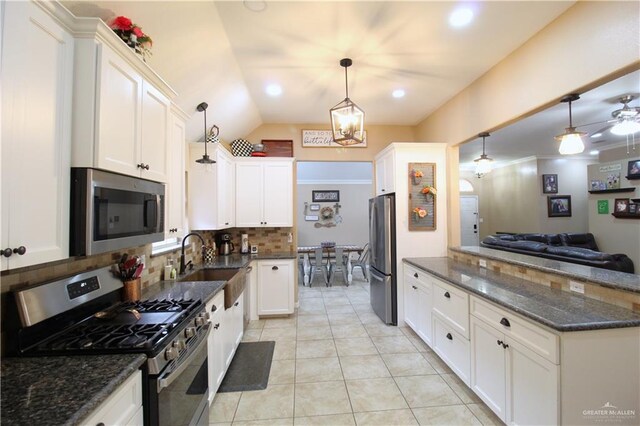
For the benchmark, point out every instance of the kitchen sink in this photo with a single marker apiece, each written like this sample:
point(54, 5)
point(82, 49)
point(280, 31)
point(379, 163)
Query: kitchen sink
point(210, 275)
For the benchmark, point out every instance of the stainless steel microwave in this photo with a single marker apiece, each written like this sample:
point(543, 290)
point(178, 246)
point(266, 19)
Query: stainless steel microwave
point(111, 212)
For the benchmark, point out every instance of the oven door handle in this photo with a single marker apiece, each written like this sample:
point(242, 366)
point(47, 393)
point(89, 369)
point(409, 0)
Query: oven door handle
point(165, 382)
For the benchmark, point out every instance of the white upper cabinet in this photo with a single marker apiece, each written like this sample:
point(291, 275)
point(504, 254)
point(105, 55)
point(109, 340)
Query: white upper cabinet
point(121, 109)
point(264, 192)
point(385, 172)
point(37, 76)
point(174, 200)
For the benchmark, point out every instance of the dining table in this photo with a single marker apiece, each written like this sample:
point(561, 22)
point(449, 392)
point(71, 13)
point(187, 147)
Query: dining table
point(328, 251)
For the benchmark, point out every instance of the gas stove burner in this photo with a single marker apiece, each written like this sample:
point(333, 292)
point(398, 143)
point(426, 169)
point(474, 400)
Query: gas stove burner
point(163, 305)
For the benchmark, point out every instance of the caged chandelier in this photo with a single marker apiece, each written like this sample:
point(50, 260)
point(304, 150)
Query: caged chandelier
point(347, 119)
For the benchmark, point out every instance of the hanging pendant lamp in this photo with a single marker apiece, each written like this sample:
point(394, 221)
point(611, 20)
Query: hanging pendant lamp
point(483, 163)
point(347, 119)
point(202, 107)
point(570, 140)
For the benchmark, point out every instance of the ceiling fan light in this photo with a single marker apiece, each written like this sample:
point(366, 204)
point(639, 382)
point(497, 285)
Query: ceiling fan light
point(626, 127)
point(571, 142)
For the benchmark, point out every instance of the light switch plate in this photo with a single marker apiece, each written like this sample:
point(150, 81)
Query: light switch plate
point(576, 286)
point(482, 263)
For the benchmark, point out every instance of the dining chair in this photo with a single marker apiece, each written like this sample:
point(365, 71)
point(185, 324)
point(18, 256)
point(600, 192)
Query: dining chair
point(338, 264)
point(318, 265)
point(362, 262)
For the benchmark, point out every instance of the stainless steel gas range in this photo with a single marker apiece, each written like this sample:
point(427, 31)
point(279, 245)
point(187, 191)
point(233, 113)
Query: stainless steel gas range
point(84, 315)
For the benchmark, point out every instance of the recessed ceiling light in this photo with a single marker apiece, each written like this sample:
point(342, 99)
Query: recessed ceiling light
point(398, 93)
point(594, 152)
point(274, 90)
point(460, 17)
point(596, 135)
point(255, 5)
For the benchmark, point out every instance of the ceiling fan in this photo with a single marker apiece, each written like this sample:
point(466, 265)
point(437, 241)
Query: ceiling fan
point(626, 120)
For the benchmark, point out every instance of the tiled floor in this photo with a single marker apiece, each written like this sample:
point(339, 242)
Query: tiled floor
point(336, 363)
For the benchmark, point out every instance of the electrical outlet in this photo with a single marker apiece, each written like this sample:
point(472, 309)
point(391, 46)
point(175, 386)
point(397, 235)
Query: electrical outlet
point(290, 238)
point(576, 286)
point(143, 259)
point(482, 263)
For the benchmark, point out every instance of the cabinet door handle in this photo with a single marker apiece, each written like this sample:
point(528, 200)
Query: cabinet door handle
point(275, 268)
point(415, 275)
point(217, 326)
point(449, 336)
point(414, 287)
point(504, 345)
point(236, 304)
point(447, 295)
point(505, 322)
point(7, 252)
point(499, 342)
point(20, 250)
point(214, 308)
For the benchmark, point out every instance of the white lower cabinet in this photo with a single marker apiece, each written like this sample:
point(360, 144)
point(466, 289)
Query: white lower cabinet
point(418, 303)
point(233, 329)
point(275, 287)
point(452, 347)
point(215, 356)
point(122, 407)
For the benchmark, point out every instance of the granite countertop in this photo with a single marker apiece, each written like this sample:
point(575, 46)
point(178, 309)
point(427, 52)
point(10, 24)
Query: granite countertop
point(604, 277)
point(61, 390)
point(557, 309)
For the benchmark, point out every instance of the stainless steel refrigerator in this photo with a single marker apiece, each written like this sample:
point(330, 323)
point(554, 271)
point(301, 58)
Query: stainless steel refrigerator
point(382, 240)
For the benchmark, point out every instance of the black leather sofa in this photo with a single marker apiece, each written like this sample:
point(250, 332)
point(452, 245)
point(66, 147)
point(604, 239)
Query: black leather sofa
point(574, 248)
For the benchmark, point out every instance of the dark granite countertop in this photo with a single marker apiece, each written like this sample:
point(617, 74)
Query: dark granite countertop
point(603, 277)
point(61, 390)
point(557, 309)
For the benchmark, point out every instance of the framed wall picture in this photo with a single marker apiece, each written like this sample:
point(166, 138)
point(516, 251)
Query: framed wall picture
point(314, 207)
point(322, 196)
point(633, 169)
point(312, 218)
point(621, 205)
point(559, 205)
point(603, 206)
point(633, 208)
point(549, 184)
point(324, 139)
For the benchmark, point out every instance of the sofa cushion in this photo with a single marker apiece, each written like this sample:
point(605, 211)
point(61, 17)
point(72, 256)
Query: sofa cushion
point(526, 246)
point(579, 253)
point(554, 240)
point(541, 238)
point(586, 240)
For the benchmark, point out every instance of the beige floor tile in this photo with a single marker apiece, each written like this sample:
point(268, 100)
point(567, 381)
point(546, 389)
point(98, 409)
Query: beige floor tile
point(363, 367)
point(453, 415)
point(362, 308)
point(220, 424)
point(336, 300)
point(332, 420)
point(464, 393)
point(437, 363)
point(318, 370)
point(426, 391)
point(312, 293)
point(278, 334)
point(360, 298)
point(419, 344)
point(334, 289)
point(280, 323)
point(369, 318)
point(344, 319)
point(340, 309)
point(316, 349)
point(256, 324)
point(314, 333)
point(393, 345)
point(484, 414)
point(224, 407)
point(270, 422)
point(285, 349)
point(355, 346)
point(375, 395)
point(312, 310)
point(275, 402)
point(382, 330)
point(412, 364)
point(252, 335)
point(346, 331)
point(386, 418)
point(282, 372)
point(309, 321)
point(314, 301)
point(317, 399)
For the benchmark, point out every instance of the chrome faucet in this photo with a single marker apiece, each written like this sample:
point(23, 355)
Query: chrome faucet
point(183, 266)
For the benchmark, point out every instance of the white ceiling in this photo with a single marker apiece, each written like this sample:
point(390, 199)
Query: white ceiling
point(534, 135)
point(225, 54)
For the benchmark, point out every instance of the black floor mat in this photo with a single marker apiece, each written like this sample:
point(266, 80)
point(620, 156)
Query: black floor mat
point(250, 367)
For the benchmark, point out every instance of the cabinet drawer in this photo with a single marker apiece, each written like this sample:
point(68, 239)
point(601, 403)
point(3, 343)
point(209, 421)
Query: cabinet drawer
point(452, 304)
point(535, 338)
point(121, 406)
point(452, 347)
point(417, 275)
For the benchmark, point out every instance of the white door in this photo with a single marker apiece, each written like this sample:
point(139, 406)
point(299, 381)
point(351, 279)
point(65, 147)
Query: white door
point(469, 220)
point(249, 195)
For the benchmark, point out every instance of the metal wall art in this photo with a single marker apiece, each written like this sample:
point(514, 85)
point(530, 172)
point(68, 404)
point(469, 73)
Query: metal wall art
point(422, 196)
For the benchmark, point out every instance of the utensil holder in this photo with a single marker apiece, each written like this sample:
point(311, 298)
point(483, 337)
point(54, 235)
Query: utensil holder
point(131, 290)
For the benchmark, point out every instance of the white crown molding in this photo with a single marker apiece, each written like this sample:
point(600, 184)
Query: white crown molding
point(334, 182)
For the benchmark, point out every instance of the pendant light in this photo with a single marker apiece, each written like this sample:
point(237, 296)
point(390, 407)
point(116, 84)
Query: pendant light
point(347, 119)
point(483, 164)
point(570, 140)
point(202, 107)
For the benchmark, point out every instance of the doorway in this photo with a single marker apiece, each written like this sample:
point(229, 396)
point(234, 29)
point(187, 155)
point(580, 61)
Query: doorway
point(469, 232)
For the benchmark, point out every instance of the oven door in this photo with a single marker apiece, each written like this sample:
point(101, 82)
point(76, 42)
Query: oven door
point(182, 392)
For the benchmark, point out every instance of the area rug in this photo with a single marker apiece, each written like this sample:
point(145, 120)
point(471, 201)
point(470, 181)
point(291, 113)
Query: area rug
point(250, 367)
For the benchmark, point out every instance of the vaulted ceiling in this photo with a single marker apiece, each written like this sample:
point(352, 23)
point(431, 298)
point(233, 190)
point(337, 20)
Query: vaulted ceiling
point(224, 53)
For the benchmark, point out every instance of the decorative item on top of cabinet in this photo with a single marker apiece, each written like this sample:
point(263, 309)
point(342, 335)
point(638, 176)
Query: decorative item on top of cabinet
point(422, 197)
point(132, 34)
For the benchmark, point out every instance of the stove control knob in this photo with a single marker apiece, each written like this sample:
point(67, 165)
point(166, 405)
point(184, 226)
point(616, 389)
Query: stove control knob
point(189, 332)
point(199, 321)
point(178, 344)
point(206, 316)
point(171, 353)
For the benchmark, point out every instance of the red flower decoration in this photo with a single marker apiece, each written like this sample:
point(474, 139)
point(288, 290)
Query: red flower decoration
point(121, 23)
point(137, 31)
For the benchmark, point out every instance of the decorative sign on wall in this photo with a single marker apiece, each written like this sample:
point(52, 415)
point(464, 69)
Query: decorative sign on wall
point(325, 196)
point(422, 196)
point(603, 206)
point(324, 139)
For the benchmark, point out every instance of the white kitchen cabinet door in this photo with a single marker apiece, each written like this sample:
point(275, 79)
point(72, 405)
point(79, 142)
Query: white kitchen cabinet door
point(120, 111)
point(226, 189)
point(411, 302)
point(275, 287)
point(174, 191)
point(249, 195)
point(278, 194)
point(122, 407)
point(238, 320)
point(488, 366)
point(452, 347)
point(215, 346)
point(37, 82)
point(425, 303)
point(385, 173)
point(532, 387)
point(155, 133)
